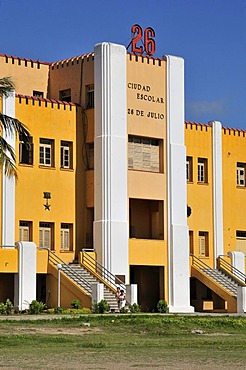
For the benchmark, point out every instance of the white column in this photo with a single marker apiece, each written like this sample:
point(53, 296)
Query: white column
point(97, 292)
point(178, 239)
point(217, 189)
point(238, 260)
point(8, 185)
point(25, 280)
point(241, 299)
point(132, 293)
point(110, 159)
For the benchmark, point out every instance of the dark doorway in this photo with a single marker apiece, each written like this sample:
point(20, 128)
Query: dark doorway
point(41, 288)
point(150, 281)
point(6, 287)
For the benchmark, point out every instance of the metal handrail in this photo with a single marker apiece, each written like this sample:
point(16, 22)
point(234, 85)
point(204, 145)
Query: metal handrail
point(96, 266)
point(55, 260)
point(197, 262)
point(230, 270)
point(209, 271)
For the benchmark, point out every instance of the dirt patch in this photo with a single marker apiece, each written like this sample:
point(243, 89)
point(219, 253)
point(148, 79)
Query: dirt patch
point(34, 330)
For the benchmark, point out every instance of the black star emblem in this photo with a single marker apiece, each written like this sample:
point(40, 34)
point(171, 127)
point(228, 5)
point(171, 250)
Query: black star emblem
point(47, 207)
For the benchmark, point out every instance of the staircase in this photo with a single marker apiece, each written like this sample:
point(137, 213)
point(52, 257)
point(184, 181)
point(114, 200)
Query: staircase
point(224, 280)
point(79, 274)
point(82, 277)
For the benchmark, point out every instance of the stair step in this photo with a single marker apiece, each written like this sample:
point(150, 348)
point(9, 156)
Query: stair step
point(85, 279)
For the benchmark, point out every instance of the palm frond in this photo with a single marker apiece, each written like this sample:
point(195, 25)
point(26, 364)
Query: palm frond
point(7, 158)
point(12, 125)
point(6, 86)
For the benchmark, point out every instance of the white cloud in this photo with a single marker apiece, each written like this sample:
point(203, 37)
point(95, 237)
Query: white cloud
point(206, 107)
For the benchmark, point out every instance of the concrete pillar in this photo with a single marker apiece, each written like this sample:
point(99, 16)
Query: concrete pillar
point(25, 280)
point(217, 189)
point(110, 159)
point(238, 260)
point(178, 236)
point(132, 293)
point(8, 184)
point(97, 292)
point(241, 299)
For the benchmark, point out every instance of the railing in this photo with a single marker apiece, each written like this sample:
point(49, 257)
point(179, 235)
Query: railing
point(7, 246)
point(197, 262)
point(230, 270)
point(55, 260)
point(95, 266)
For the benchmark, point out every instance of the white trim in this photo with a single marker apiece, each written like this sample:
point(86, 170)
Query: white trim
point(8, 184)
point(178, 237)
point(110, 158)
point(217, 189)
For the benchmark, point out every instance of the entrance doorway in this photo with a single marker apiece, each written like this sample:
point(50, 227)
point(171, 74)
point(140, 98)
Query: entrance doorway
point(150, 281)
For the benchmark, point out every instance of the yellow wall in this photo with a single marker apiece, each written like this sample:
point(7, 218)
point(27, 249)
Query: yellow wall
point(8, 260)
point(27, 75)
point(234, 198)
point(69, 291)
point(73, 73)
point(51, 121)
point(146, 117)
point(198, 140)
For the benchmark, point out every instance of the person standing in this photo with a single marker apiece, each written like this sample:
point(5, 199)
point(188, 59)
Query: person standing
point(117, 295)
point(122, 299)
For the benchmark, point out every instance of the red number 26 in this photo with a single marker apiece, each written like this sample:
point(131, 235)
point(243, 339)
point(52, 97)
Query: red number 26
point(148, 43)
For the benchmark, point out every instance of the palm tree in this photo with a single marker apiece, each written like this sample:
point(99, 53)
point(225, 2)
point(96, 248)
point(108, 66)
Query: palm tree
point(10, 126)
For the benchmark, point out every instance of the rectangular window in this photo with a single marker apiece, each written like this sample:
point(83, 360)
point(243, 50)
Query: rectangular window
point(26, 152)
point(241, 172)
point(46, 152)
point(144, 154)
point(46, 232)
point(66, 154)
point(66, 237)
point(38, 94)
point(25, 231)
point(241, 241)
point(90, 96)
point(191, 242)
point(202, 170)
point(203, 244)
point(65, 95)
point(90, 156)
point(189, 169)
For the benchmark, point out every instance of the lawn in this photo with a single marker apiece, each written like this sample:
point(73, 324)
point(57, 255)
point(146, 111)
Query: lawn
point(124, 342)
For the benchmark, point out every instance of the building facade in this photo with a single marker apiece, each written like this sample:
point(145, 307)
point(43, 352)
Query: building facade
point(112, 170)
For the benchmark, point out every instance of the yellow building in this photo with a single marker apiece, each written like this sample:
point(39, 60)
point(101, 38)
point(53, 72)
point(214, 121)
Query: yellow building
point(107, 183)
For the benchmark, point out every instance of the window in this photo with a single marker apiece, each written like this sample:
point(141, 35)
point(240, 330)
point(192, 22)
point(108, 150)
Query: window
point(90, 156)
point(66, 237)
point(241, 241)
point(144, 154)
point(191, 243)
point(189, 169)
point(65, 95)
point(202, 170)
point(203, 244)
point(90, 96)
point(241, 171)
point(46, 234)
point(66, 154)
point(38, 94)
point(25, 231)
point(26, 152)
point(46, 152)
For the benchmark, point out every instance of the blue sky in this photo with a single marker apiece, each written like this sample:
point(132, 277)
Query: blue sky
point(209, 34)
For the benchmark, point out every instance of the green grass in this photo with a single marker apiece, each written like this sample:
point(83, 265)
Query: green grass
point(137, 341)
